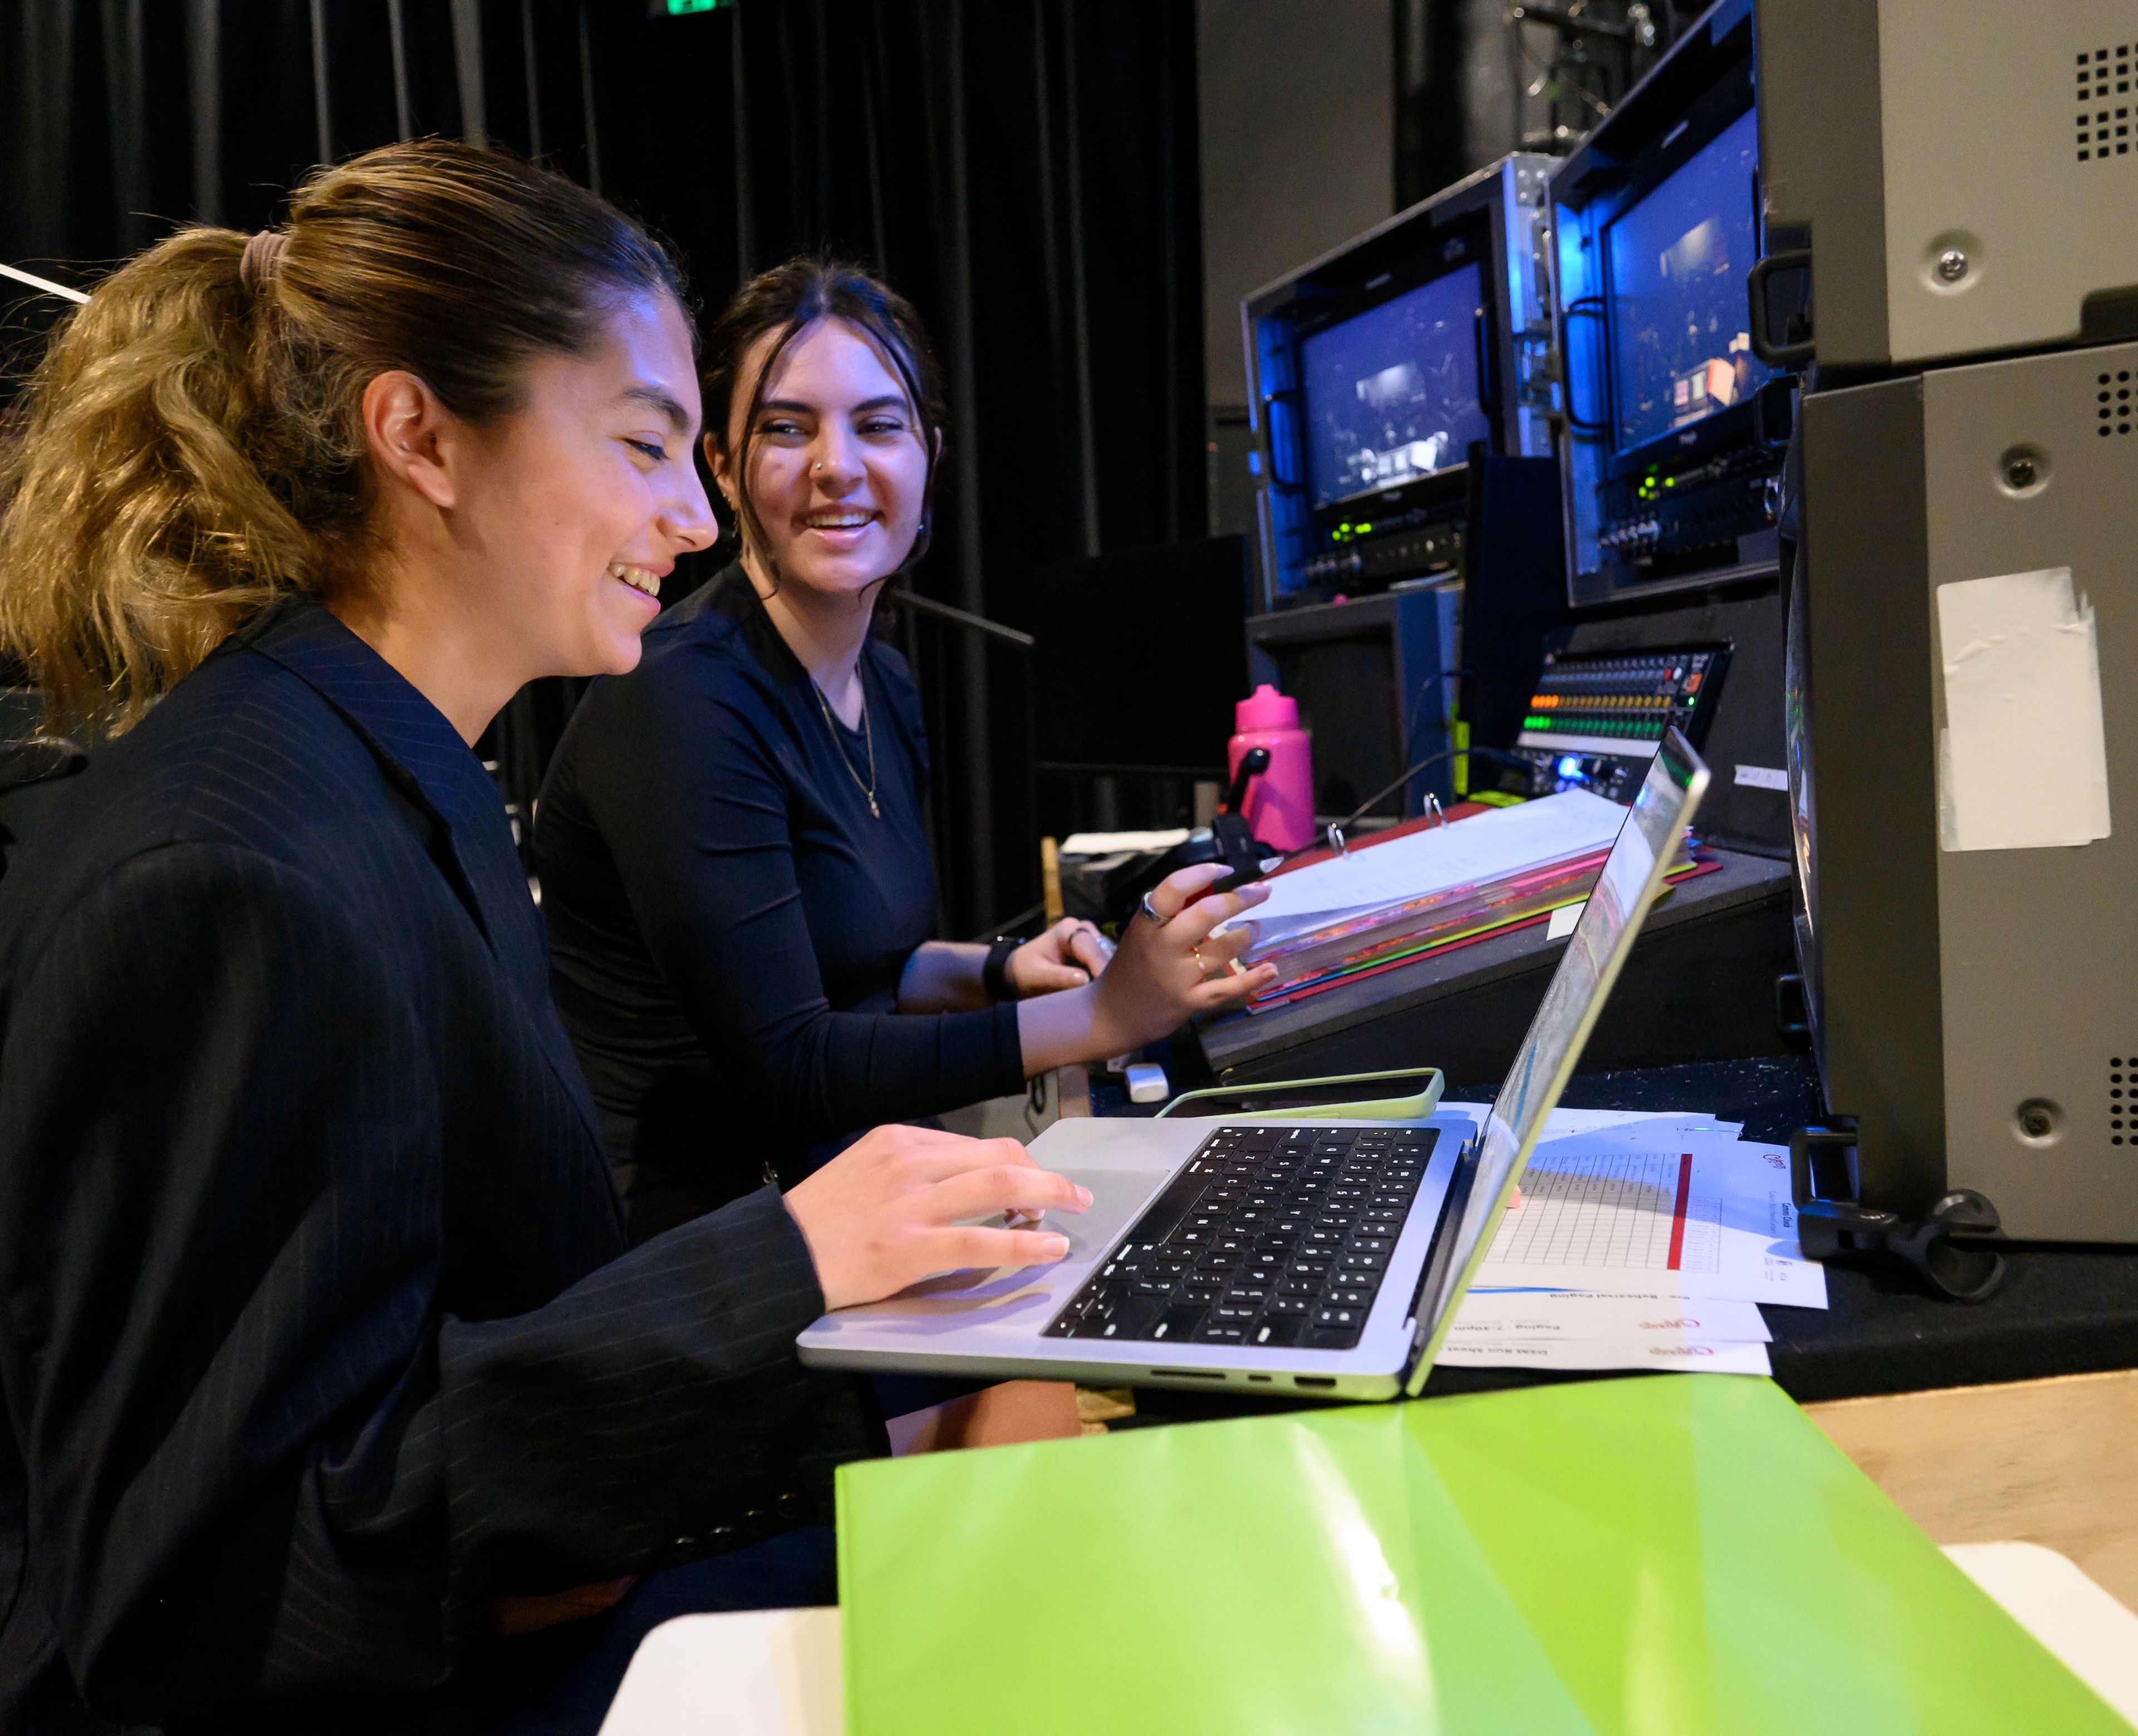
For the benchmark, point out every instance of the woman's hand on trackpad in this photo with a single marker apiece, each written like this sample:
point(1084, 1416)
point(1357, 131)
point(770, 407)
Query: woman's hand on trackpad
point(896, 1205)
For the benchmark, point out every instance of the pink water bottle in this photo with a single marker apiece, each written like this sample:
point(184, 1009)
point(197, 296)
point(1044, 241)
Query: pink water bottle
point(1279, 805)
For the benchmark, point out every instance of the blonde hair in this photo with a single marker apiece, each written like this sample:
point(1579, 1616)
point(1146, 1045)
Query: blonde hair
point(191, 447)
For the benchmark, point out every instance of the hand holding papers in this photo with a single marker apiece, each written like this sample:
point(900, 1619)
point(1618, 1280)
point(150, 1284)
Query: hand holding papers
point(1395, 899)
point(1437, 860)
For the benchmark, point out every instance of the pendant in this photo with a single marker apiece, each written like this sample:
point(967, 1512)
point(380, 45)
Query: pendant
point(874, 810)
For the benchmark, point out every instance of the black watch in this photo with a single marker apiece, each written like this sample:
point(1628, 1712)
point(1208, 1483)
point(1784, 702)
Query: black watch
point(994, 974)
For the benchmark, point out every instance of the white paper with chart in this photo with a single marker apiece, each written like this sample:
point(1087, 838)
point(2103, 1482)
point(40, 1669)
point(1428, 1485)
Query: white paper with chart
point(1650, 1203)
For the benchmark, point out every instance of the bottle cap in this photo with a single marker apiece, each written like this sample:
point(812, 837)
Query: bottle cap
point(1265, 708)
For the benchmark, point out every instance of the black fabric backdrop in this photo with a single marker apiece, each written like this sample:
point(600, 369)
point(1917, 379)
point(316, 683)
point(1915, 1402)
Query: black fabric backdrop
point(1025, 170)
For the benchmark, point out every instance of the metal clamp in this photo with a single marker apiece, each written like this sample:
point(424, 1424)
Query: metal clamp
point(1833, 1223)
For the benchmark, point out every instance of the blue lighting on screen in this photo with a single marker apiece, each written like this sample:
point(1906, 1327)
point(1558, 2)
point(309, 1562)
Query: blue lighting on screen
point(1392, 393)
point(1680, 338)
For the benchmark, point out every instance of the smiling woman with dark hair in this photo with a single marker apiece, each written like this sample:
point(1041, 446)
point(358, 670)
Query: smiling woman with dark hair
point(326, 1372)
point(732, 841)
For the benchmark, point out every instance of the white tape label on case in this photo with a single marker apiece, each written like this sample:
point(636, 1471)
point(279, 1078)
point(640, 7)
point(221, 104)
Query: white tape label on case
point(1763, 777)
point(1563, 920)
point(2023, 760)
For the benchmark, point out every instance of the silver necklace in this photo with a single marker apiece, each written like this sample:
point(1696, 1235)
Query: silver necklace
point(839, 747)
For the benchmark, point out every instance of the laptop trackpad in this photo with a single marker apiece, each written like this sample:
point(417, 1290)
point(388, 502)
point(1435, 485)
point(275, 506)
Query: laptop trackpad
point(1117, 1195)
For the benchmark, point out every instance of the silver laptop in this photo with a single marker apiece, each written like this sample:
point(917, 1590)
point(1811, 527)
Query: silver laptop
point(1325, 1259)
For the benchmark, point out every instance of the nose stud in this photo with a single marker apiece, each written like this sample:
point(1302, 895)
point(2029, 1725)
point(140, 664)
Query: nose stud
point(817, 466)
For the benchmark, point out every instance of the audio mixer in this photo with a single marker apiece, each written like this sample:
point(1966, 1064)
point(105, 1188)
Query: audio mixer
point(1595, 721)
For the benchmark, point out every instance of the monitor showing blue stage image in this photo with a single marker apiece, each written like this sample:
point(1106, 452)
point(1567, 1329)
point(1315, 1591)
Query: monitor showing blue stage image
point(1392, 393)
point(1680, 338)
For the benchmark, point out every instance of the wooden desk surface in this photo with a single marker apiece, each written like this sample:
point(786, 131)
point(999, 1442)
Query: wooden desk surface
point(1072, 1091)
point(2047, 1461)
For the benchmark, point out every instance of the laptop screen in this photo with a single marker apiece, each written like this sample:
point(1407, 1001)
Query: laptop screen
point(1632, 875)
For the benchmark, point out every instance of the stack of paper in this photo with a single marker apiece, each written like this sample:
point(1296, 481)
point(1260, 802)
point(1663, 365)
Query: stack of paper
point(1641, 1241)
point(1398, 899)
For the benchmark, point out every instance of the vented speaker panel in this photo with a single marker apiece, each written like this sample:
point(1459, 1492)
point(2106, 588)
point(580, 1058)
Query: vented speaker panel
point(2112, 405)
point(2122, 1090)
point(2104, 102)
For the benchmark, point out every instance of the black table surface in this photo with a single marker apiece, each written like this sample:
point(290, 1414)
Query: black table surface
point(2063, 1309)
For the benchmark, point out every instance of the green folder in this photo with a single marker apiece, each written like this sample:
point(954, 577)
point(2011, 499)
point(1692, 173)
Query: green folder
point(1649, 1556)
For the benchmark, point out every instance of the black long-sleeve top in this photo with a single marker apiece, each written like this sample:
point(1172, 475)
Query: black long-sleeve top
point(729, 921)
point(317, 1329)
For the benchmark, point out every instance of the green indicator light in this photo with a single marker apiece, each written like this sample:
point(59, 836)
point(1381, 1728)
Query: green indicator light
point(1364, 528)
point(678, 8)
point(1670, 482)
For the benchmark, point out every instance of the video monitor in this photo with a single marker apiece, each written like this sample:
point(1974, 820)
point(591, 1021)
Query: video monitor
point(1391, 394)
point(1680, 336)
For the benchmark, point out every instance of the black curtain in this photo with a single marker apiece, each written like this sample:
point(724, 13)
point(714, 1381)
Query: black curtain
point(1025, 170)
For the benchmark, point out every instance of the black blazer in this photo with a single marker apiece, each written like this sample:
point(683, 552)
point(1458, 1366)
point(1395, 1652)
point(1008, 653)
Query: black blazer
point(317, 1329)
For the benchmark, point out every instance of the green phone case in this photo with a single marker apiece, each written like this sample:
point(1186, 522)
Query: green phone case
point(1414, 1107)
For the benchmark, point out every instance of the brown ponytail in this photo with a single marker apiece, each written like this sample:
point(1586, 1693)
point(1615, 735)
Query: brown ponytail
point(190, 446)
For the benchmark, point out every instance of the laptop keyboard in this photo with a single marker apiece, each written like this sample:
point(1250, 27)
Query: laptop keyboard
point(1268, 1237)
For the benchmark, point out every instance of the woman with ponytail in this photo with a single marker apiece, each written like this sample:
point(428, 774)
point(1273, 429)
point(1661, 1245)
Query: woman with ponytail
point(327, 1377)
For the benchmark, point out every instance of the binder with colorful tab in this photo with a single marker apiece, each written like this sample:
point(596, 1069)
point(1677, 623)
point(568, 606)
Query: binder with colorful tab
point(1650, 1557)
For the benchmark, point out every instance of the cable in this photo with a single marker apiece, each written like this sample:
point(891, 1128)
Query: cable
point(1418, 714)
point(1359, 813)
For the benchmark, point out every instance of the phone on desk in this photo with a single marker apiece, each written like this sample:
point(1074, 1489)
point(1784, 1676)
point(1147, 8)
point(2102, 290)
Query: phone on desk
point(1405, 1094)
